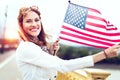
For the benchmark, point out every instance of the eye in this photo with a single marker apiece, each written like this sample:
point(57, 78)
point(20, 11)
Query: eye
point(28, 21)
point(37, 20)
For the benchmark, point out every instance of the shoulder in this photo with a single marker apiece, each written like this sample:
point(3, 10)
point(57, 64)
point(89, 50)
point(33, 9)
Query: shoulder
point(27, 47)
point(28, 50)
point(22, 43)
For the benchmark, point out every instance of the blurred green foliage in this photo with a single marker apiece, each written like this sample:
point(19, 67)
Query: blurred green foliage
point(70, 52)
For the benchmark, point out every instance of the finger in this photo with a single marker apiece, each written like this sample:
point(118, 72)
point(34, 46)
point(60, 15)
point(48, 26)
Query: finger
point(57, 40)
point(56, 43)
point(117, 46)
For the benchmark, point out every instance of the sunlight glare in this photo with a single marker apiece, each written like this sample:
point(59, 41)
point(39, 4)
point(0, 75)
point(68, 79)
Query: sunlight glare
point(11, 34)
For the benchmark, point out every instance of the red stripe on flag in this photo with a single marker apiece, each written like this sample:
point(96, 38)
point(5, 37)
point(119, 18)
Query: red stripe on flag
point(94, 10)
point(95, 24)
point(86, 38)
point(102, 33)
point(78, 42)
point(94, 31)
point(96, 17)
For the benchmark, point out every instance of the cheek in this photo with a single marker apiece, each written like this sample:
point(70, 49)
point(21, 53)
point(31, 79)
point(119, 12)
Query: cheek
point(26, 29)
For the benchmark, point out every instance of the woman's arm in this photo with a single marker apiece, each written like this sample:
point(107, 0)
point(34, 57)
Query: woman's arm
point(107, 53)
point(30, 53)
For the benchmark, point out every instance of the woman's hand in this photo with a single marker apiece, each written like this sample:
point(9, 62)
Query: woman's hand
point(112, 51)
point(107, 53)
point(54, 47)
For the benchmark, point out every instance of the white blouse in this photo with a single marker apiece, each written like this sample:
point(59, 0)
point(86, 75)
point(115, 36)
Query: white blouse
point(36, 64)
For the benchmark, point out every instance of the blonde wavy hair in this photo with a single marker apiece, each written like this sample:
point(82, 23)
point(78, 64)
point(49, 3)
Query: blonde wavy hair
point(42, 37)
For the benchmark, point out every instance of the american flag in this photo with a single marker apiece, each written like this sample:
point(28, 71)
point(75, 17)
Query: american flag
point(83, 25)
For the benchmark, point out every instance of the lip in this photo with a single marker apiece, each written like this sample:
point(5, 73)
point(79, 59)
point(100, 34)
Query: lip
point(34, 29)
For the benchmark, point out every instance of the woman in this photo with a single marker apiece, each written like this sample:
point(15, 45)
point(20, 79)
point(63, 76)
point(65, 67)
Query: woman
point(34, 54)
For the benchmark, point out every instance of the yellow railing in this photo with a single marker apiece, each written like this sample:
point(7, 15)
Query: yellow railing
point(85, 74)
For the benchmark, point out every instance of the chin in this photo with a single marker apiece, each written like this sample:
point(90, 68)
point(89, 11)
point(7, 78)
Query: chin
point(35, 34)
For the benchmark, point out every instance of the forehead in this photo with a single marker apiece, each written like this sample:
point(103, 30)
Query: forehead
point(31, 15)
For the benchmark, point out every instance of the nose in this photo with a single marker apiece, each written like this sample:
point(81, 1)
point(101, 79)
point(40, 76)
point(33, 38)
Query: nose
point(33, 24)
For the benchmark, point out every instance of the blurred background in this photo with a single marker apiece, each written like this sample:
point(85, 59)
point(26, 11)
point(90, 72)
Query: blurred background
point(52, 12)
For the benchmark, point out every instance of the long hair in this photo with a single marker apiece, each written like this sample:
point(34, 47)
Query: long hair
point(26, 37)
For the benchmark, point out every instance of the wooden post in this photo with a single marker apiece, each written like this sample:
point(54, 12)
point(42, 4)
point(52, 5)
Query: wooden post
point(97, 74)
point(84, 74)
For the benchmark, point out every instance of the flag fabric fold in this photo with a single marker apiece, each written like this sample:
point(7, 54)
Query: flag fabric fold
point(87, 26)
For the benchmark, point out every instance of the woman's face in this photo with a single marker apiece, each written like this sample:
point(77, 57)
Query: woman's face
point(32, 24)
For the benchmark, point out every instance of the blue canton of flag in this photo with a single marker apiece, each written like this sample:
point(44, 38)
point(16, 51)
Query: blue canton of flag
point(76, 16)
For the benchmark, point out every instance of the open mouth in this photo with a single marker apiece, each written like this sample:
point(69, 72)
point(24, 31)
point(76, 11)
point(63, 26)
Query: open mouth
point(34, 29)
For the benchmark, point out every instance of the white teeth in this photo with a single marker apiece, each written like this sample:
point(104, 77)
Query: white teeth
point(34, 30)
